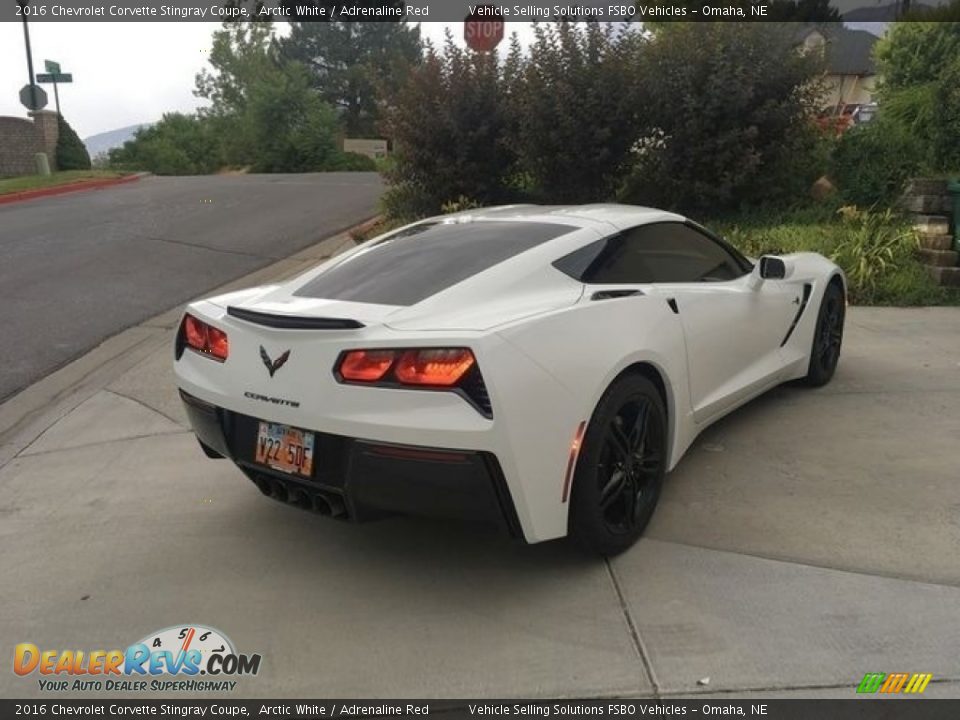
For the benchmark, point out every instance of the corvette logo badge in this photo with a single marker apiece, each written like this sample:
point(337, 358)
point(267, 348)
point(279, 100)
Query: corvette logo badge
point(273, 365)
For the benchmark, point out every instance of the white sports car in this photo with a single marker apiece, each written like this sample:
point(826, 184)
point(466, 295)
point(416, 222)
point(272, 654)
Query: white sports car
point(541, 368)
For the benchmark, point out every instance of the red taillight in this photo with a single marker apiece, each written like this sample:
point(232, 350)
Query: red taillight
point(219, 345)
point(437, 367)
point(195, 333)
point(433, 366)
point(204, 338)
point(366, 365)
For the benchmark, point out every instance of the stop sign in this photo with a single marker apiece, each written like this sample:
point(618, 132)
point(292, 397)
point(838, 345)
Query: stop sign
point(483, 28)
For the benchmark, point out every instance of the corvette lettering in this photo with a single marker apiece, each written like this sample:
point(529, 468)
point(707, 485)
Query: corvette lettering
point(274, 400)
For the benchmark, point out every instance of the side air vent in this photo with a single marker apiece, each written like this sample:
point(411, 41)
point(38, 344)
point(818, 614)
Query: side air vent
point(293, 322)
point(614, 294)
point(807, 288)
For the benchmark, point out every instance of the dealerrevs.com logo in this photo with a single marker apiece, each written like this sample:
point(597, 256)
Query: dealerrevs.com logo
point(177, 658)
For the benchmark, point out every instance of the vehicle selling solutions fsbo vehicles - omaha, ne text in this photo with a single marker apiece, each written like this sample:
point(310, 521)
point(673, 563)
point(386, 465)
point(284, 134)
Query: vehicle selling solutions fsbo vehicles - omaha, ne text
point(538, 367)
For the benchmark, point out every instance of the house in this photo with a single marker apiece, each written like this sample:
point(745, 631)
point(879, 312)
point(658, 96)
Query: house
point(851, 72)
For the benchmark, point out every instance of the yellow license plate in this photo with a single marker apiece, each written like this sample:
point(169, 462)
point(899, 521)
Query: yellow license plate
point(284, 448)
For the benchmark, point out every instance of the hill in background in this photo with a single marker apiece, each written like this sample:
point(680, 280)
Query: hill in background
point(102, 142)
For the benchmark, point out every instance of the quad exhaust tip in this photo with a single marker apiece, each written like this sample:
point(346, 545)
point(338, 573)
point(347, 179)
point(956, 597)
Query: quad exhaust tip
point(319, 502)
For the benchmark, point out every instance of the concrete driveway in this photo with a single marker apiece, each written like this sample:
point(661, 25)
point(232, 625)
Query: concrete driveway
point(76, 269)
point(809, 538)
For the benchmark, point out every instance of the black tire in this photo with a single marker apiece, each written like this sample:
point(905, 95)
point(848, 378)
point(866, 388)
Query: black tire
point(827, 337)
point(621, 467)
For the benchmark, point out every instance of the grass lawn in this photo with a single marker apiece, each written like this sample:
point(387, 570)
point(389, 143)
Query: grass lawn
point(32, 182)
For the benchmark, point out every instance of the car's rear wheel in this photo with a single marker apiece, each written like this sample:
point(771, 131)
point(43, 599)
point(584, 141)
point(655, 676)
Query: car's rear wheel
point(621, 467)
point(827, 337)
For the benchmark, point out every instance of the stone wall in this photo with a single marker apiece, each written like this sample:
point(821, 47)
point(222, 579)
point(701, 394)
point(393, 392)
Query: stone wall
point(21, 139)
point(930, 204)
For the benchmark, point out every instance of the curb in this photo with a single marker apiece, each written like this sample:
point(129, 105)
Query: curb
point(68, 188)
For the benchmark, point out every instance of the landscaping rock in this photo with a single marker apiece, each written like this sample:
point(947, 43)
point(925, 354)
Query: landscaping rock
point(932, 224)
point(935, 241)
point(939, 258)
point(946, 276)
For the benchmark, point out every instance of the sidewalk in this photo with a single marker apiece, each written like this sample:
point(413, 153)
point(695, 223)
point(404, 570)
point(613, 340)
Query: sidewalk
point(761, 574)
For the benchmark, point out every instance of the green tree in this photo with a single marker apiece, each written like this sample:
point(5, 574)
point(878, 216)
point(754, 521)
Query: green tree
point(291, 128)
point(354, 63)
point(914, 53)
point(946, 123)
point(262, 106)
point(577, 107)
point(731, 106)
point(917, 62)
point(71, 153)
point(448, 122)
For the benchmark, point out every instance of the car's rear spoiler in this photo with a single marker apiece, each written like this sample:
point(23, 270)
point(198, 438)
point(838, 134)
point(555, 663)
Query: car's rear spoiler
point(293, 322)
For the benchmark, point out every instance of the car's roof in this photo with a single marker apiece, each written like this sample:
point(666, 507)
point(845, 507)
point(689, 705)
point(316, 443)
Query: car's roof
point(620, 216)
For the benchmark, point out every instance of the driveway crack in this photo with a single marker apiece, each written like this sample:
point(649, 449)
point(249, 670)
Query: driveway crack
point(638, 643)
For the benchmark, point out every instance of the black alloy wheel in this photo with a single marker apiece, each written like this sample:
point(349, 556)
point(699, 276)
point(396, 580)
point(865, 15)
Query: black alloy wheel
point(621, 467)
point(827, 337)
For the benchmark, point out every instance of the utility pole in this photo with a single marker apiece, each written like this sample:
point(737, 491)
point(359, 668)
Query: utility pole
point(26, 42)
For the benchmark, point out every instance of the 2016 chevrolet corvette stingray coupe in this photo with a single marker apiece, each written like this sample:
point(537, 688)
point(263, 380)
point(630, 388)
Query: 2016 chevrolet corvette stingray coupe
point(541, 368)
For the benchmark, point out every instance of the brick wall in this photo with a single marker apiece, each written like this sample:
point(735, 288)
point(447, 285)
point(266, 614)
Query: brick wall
point(20, 139)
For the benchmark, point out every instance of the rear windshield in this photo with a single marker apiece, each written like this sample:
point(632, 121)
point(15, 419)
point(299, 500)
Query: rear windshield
point(425, 259)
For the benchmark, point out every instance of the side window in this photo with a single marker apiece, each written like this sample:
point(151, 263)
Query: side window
point(654, 253)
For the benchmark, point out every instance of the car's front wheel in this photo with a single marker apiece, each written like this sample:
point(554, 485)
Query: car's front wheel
point(621, 467)
point(827, 337)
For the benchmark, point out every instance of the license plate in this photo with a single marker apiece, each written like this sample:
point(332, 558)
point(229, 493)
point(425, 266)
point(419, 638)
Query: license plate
point(284, 448)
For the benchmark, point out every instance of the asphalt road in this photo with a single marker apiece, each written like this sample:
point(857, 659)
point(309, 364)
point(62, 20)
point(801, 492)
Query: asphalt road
point(78, 268)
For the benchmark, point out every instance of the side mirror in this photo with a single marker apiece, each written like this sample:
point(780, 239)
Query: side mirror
point(772, 268)
point(769, 267)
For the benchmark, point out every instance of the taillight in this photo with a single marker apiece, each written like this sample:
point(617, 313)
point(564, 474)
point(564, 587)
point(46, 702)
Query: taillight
point(444, 368)
point(433, 366)
point(366, 365)
point(205, 339)
point(437, 367)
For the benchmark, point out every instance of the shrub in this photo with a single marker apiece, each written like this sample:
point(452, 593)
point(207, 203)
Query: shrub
point(291, 128)
point(350, 161)
point(177, 145)
point(576, 108)
point(912, 53)
point(920, 66)
point(731, 105)
point(460, 204)
point(71, 153)
point(945, 127)
point(872, 162)
point(448, 122)
point(873, 247)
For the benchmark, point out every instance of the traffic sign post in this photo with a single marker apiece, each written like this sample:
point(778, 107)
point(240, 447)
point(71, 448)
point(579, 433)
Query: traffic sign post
point(483, 28)
point(33, 97)
point(54, 75)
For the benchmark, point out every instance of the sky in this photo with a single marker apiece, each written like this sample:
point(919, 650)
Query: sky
point(123, 73)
